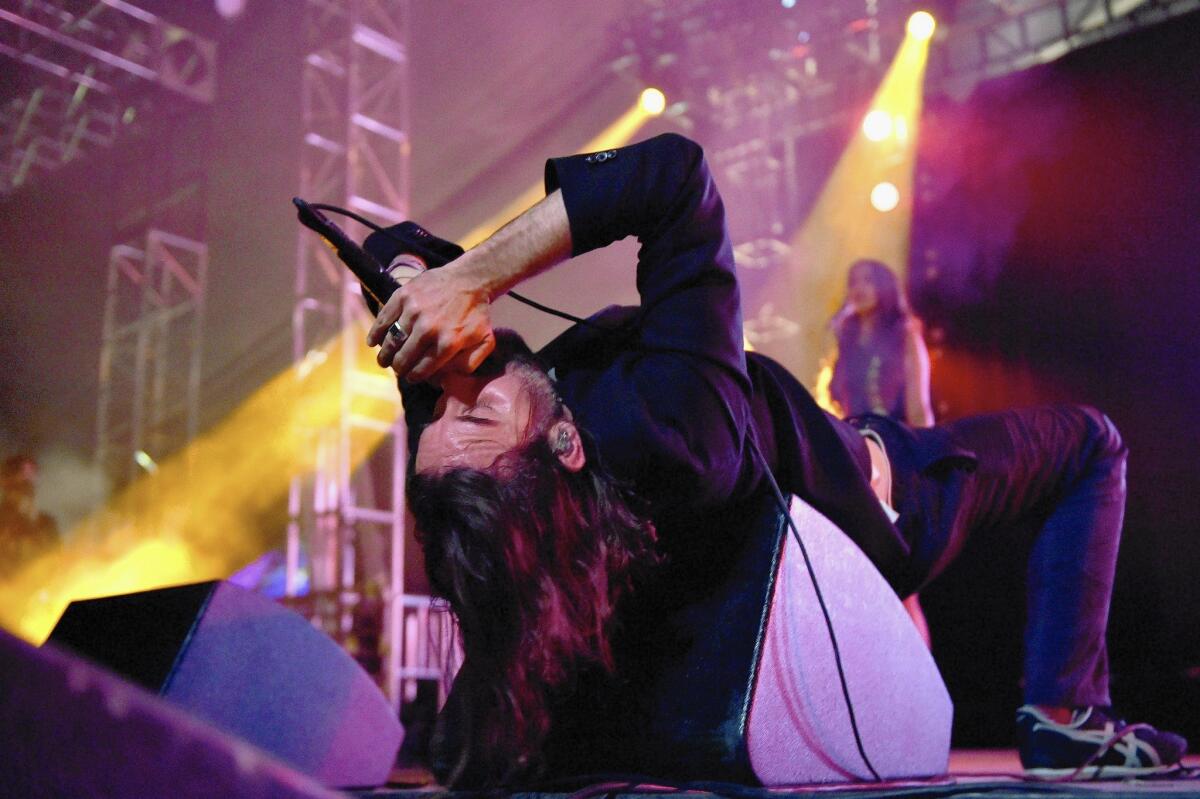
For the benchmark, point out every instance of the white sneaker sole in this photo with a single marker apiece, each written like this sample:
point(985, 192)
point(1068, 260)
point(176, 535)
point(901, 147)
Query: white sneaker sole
point(1099, 772)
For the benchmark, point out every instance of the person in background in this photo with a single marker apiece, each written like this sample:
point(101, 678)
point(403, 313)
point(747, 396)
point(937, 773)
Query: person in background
point(882, 365)
point(25, 531)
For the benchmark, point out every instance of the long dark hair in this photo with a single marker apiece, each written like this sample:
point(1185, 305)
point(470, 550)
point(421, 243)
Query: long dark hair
point(894, 322)
point(891, 306)
point(534, 560)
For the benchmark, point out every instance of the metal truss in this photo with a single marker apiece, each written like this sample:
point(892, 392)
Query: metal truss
point(356, 153)
point(150, 352)
point(763, 70)
point(90, 70)
point(758, 80)
point(995, 37)
point(732, 66)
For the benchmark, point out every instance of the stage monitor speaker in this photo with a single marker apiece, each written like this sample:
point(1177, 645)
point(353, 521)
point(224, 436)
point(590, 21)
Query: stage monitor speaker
point(71, 729)
point(249, 666)
point(798, 727)
point(740, 682)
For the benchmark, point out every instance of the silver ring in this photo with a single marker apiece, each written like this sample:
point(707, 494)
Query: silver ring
point(397, 332)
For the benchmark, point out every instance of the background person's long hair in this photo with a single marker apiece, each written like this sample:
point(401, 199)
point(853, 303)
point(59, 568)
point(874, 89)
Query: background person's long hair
point(891, 306)
point(893, 323)
point(534, 560)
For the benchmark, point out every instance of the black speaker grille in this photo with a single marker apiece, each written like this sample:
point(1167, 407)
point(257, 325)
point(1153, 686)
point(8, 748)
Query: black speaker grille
point(140, 635)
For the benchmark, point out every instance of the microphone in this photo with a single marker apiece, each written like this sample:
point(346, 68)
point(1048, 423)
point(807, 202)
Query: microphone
point(377, 285)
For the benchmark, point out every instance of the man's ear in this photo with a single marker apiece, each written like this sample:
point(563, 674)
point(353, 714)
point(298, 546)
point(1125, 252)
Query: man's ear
point(566, 444)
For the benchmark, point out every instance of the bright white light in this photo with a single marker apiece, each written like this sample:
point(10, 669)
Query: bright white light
point(877, 125)
point(312, 359)
point(653, 101)
point(144, 460)
point(921, 25)
point(788, 3)
point(230, 9)
point(885, 196)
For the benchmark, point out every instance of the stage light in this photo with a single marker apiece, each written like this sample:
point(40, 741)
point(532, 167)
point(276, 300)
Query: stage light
point(230, 9)
point(199, 515)
point(788, 3)
point(877, 125)
point(653, 101)
point(885, 197)
point(145, 461)
point(921, 25)
point(840, 227)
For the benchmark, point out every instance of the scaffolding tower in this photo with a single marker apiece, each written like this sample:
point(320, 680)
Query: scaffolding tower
point(148, 399)
point(356, 154)
point(84, 76)
point(91, 72)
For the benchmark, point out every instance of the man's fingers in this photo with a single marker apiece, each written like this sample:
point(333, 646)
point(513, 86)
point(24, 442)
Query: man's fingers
point(461, 352)
point(389, 313)
point(406, 358)
point(439, 347)
point(390, 343)
point(479, 353)
point(377, 333)
point(430, 364)
point(437, 322)
point(436, 354)
point(464, 361)
point(424, 342)
point(387, 351)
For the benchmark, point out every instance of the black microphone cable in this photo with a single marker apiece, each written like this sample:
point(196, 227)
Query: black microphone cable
point(812, 575)
point(362, 220)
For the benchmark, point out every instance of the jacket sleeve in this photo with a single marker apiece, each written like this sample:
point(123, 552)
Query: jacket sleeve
point(670, 410)
point(661, 191)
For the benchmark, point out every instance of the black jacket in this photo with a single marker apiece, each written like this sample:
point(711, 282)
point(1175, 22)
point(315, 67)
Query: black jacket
point(668, 393)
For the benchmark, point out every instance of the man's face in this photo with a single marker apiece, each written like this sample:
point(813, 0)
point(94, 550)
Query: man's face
point(476, 420)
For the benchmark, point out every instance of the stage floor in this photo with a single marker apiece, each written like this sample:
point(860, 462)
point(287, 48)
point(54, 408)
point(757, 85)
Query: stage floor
point(994, 773)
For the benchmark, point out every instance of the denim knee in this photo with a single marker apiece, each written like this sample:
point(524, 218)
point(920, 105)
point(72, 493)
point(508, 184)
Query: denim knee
point(1103, 448)
point(1102, 434)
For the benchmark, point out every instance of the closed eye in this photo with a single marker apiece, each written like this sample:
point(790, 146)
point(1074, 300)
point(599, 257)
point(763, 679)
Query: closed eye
point(479, 420)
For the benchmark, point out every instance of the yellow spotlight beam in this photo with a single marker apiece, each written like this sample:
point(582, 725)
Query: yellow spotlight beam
point(200, 514)
point(206, 511)
point(624, 128)
point(843, 226)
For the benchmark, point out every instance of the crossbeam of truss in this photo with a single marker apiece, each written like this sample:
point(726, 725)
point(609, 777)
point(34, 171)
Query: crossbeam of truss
point(94, 68)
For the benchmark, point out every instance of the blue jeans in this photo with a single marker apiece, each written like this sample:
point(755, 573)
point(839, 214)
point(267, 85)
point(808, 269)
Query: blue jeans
point(1058, 472)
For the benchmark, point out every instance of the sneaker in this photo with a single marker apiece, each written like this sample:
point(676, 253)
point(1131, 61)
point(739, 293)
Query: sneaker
point(1093, 745)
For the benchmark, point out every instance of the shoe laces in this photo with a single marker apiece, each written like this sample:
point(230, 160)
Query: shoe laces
point(1116, 734)
point(1116, 730)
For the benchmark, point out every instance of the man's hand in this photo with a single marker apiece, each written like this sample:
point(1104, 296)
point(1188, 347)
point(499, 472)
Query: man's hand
point(447, 320)
point(445, 313)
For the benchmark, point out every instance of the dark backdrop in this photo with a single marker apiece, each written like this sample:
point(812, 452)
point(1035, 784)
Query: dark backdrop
point(1057, 256)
